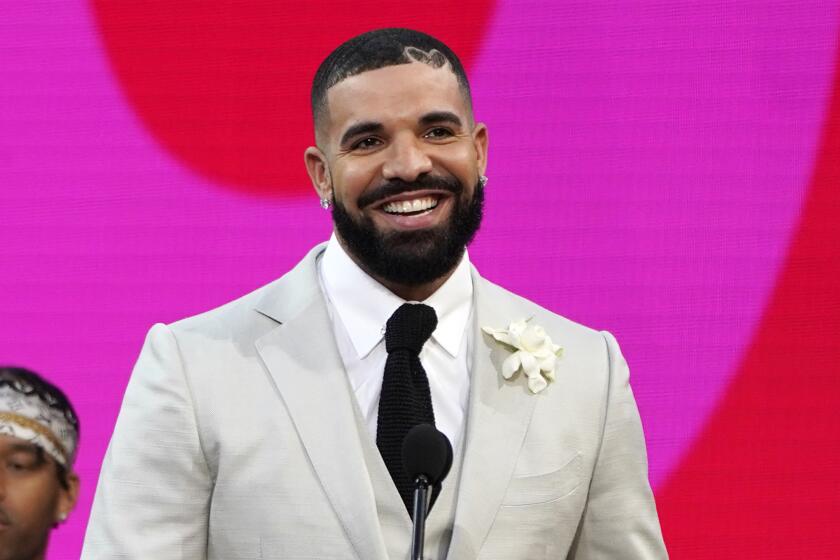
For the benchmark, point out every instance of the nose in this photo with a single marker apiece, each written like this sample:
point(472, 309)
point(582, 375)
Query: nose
point(406, 159)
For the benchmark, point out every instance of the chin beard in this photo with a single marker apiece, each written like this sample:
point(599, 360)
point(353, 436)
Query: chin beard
point(412, 258)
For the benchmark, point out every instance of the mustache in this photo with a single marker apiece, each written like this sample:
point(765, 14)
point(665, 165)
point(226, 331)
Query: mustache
point(398, 186)
point(4, 517)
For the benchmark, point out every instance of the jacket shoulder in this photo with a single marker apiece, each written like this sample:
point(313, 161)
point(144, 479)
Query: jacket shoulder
point(518, 307)
point(260, 310)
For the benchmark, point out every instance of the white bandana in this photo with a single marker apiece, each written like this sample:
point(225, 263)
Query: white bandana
point(34, 416)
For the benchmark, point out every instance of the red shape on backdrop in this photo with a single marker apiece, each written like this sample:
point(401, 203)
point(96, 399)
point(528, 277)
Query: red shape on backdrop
point(224, 86)
point(762, 481)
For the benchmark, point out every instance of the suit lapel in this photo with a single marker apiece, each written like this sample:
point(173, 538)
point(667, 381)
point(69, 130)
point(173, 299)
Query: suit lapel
point(497, 421)
point(304, 363)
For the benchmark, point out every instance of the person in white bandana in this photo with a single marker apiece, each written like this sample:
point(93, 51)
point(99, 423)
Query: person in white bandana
point(39, 434)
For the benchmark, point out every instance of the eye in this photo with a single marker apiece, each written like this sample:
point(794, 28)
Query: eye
point(22, 462)
point(438, 133)
point(366, 143)
point(19, 465)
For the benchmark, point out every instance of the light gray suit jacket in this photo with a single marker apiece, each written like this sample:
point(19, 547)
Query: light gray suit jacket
point(239, 438)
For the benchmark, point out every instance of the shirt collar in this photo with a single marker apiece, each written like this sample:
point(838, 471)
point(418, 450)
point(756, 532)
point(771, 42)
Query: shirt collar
point(364, 305)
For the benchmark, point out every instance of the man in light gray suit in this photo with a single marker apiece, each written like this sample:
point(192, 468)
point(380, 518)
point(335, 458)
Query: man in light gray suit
point(263, 429)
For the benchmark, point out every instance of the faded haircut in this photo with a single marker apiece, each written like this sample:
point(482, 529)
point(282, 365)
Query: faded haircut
point(377, 49)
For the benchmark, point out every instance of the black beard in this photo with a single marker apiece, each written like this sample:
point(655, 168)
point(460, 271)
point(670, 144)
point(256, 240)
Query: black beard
point(412, 258)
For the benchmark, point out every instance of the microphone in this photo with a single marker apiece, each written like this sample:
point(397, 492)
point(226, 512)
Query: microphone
point(427, 458)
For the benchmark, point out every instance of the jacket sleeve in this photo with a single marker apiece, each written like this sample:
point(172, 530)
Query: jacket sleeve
point(154, 488)
point(620, 519)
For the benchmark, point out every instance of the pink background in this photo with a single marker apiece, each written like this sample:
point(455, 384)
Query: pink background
point(649, 166)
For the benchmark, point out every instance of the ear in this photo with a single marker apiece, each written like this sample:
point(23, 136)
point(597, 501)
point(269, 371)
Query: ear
point(480, 142)
point(67, 497)
point(319, 171)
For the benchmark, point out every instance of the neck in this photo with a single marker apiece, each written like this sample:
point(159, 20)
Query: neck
point(413, 293)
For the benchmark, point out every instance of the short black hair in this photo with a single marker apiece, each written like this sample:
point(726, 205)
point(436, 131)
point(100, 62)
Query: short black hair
point(28, 382)
point(377, 49)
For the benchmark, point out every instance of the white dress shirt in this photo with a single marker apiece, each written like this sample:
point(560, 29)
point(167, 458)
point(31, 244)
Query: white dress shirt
point(359, 307)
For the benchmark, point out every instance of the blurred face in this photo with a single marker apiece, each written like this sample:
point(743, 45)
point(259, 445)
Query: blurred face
point(401, 158)
point(32, 499)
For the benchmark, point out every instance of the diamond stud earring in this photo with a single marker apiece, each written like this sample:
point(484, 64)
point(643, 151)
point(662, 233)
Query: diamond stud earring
point(482, 180)
point(325, 203)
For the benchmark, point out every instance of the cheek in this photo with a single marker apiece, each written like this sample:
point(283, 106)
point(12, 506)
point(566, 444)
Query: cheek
point(351, 180)
point(460, 161)
point(33, 501)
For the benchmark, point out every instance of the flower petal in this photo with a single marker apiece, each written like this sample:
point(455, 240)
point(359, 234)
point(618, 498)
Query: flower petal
point(547, 363)
point(493, 332)
point(500, 335)
point(505, 338)
point(543, 351)
point(532, 338)
point(537, 383)
point(515, 331)
point(529, 363)
point(511, 365)
point(548, 374)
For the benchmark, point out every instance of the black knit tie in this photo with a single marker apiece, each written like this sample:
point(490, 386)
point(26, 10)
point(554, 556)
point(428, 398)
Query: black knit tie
point(405, 400)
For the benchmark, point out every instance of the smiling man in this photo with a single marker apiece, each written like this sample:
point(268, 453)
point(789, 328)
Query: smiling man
point(39, 432)
point(271, 427)
point(400, 145)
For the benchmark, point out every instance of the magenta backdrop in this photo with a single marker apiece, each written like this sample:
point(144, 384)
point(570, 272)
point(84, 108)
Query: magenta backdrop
point(647, 168)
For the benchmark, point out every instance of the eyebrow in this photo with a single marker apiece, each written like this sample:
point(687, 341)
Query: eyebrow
point(29, 449)
point(365, 127)
point(440, 117)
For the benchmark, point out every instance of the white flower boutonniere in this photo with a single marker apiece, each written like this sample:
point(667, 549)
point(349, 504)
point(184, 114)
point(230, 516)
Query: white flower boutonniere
point(533, 353)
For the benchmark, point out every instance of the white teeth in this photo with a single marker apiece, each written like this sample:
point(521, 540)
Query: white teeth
point(407, 206)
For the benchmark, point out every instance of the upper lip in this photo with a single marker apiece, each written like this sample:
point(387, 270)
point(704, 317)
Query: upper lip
point(411, 195)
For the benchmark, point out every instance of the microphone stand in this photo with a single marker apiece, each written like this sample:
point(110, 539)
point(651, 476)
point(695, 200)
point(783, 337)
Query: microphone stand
point(421, 504)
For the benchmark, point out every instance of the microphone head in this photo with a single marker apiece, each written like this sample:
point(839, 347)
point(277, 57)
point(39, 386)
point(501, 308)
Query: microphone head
point(426, 451)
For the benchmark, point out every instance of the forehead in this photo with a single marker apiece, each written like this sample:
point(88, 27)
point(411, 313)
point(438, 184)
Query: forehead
point(11, 444)
point(395, 93)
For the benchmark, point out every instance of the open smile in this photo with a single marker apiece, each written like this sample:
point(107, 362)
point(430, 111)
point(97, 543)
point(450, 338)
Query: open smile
point(414, 210)
point(411, 207)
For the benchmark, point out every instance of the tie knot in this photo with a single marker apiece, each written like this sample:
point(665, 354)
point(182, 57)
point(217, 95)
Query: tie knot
point(410, 327)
